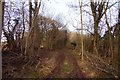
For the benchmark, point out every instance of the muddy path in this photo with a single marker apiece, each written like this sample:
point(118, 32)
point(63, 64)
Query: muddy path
point(59, 61)
point(76, 73)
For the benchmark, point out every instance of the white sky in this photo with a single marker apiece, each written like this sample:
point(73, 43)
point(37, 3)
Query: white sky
point(60, 9)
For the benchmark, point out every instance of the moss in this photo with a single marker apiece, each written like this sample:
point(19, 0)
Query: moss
point(66, 69)
point(34, 74)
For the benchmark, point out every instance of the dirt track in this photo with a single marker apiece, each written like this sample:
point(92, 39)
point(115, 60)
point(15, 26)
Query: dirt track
point(60, 60)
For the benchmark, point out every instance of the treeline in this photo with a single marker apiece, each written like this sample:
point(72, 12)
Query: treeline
point(28, 35)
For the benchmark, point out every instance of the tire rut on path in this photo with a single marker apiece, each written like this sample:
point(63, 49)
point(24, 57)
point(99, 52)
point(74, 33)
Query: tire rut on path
point(79, 73)
point(59, 61)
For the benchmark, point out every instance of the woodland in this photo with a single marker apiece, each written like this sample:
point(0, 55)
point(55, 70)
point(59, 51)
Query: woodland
point(38, 46)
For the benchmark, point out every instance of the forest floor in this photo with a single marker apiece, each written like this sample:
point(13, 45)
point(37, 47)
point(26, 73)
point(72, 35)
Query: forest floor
point(55, 64)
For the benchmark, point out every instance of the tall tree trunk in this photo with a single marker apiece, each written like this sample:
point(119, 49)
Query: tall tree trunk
point(96, 22)
point(119, 35)
point(36, 40)
point(110, 52)
point(95, 40)
point(1, 17)
point(33, 28)
point(1, 25)
point(97, 12)
point(30, 14)
point(28, 43)
point(23, 23)
point(81, 31)
point(23, 19)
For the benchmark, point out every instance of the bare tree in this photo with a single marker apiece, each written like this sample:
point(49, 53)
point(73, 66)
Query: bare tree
point(97, 12)
point(14, 25)
point(33, 33)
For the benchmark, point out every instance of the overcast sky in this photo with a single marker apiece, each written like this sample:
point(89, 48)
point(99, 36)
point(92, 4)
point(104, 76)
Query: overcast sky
point(61, 11)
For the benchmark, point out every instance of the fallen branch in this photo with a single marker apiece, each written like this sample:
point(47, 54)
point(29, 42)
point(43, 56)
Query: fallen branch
point(106, 64)
point(99, 68)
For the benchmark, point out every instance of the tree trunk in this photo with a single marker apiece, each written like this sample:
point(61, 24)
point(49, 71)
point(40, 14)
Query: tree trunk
point(81, 30)
point(30, 14)
point(1, 17)
point(95, 40)
point(36, 37)
point(110, 52)
point(1, 25)
point(28, 43)
point(119, 36)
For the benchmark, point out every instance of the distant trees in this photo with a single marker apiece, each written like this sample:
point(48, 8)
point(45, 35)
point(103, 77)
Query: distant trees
point(52, 37)
point(42, 31)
